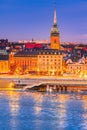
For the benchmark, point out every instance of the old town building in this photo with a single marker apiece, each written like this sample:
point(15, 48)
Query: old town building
point(41, 62)
point(77, 67)
point(4, 64)
point(25, 62)
point(49, 62)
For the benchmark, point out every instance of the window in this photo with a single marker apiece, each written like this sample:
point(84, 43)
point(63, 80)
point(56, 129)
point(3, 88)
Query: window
point(55, 41)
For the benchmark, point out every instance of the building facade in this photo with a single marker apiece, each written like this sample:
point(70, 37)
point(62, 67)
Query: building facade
point(49, 62)
point(24, 62)
point(41, 62)
point(4, 62)
point(77, 68)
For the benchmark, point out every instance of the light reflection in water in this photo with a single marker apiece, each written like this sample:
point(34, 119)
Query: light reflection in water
point(38, 98)
point(43, 111)
point(14, 105)
point(14, 102)
point(84, 123)
point(38, 105)
point(62, 110)
point(85, 102)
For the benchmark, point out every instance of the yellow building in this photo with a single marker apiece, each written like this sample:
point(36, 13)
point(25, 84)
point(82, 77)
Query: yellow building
point(55, 35)
point(4, 63)
point(49, 62)
point(26, 62)
point(42, 62)
point(4, 67)
point(77, 68)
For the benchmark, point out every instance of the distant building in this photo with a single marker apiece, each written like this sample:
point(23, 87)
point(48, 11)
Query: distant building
point(33, 45)
point(3, 43)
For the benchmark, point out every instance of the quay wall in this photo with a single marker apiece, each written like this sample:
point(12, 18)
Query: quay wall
point(61, 84)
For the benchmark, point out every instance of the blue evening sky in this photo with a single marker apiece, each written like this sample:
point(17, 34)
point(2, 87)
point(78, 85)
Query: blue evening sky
point(27, 19)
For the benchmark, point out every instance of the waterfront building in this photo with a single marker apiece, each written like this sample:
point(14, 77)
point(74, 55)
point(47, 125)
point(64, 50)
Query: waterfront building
point(4, 64)
point(12, 65)
point(26, 62)
point(49, 62)
point(42, 62)
point(77, 68)
point(55, 35)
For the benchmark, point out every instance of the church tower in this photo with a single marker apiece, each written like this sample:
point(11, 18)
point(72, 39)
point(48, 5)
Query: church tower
point(55, 35)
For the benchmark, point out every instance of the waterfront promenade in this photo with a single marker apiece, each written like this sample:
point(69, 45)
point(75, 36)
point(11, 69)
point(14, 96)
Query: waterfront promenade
point(30, 81)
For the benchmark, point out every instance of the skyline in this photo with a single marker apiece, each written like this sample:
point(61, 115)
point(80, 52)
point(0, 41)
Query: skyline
point(22, 20)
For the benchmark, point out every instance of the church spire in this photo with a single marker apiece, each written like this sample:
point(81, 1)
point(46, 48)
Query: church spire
point(54, 29)
point(55, 18)
point(55, 35)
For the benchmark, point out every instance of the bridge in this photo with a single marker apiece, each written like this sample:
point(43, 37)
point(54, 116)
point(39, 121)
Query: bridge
point(29, 83)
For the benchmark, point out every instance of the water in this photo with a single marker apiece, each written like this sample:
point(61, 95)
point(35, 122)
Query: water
point(42, 111)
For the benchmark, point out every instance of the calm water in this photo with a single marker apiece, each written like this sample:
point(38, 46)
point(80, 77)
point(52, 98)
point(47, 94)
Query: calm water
point(42, 111)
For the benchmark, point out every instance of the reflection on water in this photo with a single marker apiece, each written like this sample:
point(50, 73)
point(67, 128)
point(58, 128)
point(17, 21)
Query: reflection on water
point(42, 111)
point(14, 107)
point(13, 102)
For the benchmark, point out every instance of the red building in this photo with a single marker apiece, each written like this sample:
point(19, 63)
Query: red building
point(33, 45)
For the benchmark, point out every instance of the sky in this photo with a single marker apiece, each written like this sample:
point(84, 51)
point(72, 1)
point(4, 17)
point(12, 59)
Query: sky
point(27, 19)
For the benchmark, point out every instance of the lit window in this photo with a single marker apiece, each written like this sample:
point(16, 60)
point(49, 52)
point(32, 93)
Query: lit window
point(55, 41)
